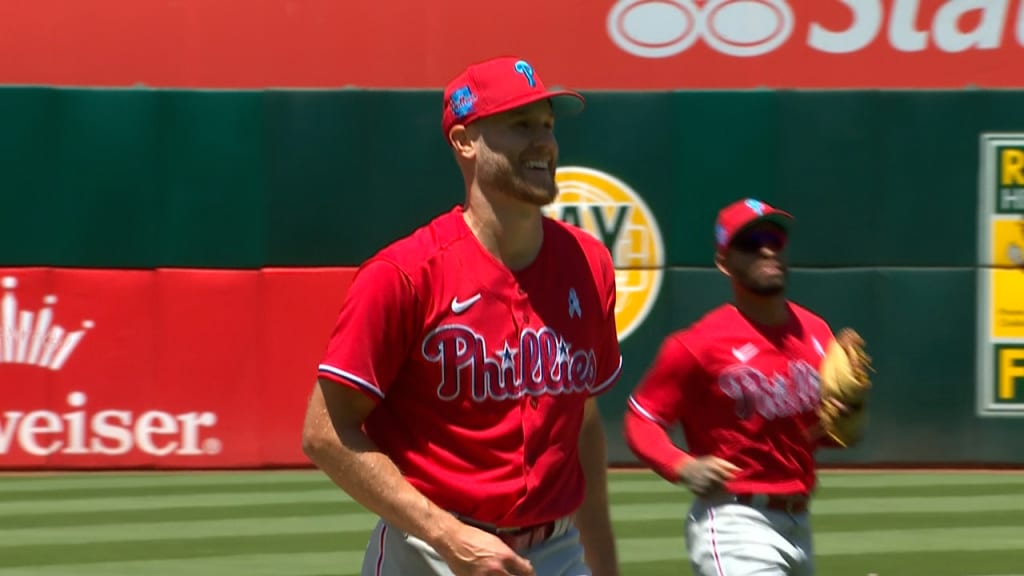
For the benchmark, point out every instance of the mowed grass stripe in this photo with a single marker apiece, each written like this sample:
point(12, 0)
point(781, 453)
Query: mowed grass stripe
point(886, 480)
point(178, 514)
point(1000, 538)
point(620, 482)
point(115, 480)
point(866, 522)
point(345, 562)
point(845, 506)
point(939, 491)
point(55, 536)
point(114, 503)
point(642, 514)
point(171, 548)
point(681, 494)
point(637, 482)
point(640, 510)
point(45, 493)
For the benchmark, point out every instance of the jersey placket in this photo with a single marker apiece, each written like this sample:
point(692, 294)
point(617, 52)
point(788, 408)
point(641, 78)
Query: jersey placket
point(522, 318)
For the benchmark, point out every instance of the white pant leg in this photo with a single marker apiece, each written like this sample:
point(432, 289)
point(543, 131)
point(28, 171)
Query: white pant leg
point(730, 539)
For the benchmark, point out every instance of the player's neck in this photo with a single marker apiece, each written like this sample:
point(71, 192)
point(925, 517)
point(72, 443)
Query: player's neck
point(764, 310)
point(512, 233)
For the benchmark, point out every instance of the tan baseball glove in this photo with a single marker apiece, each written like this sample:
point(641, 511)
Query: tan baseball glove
point(845, 384)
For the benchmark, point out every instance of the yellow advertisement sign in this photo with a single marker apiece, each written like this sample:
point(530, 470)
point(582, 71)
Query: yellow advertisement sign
point(1000, 274)
point(1007, 259)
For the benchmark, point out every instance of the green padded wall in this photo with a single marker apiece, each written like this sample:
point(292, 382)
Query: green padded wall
point(884, 186)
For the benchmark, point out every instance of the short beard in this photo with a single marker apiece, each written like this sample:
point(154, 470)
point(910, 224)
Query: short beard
point(495, 171)
point(763, 289)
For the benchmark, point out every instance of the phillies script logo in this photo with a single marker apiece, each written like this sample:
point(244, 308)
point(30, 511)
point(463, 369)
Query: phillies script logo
point(771, 397)
point(744, 28)
point(544, 363)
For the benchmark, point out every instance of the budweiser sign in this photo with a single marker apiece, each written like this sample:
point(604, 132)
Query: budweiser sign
point(33, 338)
point(160, 368)
point(110, 432)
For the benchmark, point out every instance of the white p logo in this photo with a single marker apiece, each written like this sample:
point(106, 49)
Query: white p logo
point(663, 28)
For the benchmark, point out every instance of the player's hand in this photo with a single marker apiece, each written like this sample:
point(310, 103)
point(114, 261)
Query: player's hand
point(473, 552)
point(817, 431)
point(707, 475)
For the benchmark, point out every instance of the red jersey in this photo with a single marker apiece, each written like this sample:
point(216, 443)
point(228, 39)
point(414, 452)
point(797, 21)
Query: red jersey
point(480, 374)
point(744, 393)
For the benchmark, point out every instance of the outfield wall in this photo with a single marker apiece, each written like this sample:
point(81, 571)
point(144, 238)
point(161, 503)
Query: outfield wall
point(194, 246)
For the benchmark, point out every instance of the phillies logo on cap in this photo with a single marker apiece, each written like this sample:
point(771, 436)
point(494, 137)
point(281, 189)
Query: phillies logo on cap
point(756, 205)
point(524, 68)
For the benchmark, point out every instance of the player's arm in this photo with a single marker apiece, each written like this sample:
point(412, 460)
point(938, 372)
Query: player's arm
point(376, 327)
point(334, 440)
point(593, 518)
point(654, 406)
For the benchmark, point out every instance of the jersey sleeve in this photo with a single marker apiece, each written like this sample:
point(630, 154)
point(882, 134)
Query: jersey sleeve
point(609, 360)
point(657, 404)
point(374, 330)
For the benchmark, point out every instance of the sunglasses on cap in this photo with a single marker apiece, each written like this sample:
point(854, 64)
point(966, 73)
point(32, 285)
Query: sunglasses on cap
point(755, 240)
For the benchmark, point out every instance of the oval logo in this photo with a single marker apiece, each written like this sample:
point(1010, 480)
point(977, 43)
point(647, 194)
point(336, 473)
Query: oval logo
point(615, 214)
point(747, 27)
point(664, 28)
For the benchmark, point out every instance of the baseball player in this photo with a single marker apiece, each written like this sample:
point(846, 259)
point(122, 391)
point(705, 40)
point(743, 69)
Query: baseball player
point(743, 383)
point(457, 396)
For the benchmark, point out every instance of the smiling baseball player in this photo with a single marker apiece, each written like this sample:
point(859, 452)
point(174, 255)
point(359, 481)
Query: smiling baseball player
point(457, 396)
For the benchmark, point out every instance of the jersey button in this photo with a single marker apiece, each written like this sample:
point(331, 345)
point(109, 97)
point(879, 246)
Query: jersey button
point(533, 402)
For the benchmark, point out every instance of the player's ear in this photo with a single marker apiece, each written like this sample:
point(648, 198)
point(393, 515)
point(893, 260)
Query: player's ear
point(720, 263)
point(462, 142)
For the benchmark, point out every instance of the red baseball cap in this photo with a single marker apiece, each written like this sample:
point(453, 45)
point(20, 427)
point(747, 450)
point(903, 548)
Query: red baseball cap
point(493, 86)
point(736, 216)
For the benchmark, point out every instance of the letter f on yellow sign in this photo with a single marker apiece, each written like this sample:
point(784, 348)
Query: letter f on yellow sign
point(1010, 372)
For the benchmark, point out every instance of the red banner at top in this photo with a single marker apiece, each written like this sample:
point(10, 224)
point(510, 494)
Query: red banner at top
point(592, 44)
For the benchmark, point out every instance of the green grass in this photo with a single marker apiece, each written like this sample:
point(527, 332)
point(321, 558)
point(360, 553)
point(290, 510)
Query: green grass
point(296, 523)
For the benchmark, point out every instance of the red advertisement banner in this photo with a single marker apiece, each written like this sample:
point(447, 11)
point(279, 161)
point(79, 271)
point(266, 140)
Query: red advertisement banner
point(160, 369)
point(596, 44)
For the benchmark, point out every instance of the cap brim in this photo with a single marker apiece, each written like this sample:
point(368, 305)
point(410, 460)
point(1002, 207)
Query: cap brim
point(562, 102)
point(566, 102)
point(780, 218)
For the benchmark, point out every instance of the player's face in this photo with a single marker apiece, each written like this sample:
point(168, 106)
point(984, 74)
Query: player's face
point(518, 154)
point(757, 259)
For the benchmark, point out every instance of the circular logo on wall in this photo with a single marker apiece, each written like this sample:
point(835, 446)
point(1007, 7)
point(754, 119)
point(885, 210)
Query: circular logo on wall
point(615, 214)
point(663, 28)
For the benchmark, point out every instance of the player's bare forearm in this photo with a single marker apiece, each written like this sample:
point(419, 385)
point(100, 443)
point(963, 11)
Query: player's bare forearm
point(335, 442)
point(593, 517)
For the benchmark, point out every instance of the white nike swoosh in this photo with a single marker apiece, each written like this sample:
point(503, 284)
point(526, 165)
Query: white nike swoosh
point(745, 352)
point(460, 307)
